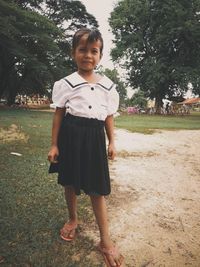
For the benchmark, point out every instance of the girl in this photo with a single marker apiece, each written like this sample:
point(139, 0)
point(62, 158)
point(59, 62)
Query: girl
point(85, 103)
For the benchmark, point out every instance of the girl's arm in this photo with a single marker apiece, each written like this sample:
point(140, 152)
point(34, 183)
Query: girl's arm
point(58, 116)
point(109, 126)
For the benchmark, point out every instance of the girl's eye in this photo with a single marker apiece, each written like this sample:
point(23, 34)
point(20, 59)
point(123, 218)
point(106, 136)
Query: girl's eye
point(82, 49)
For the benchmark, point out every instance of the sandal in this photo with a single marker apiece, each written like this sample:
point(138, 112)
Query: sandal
point(66, 231)
point(112, 252)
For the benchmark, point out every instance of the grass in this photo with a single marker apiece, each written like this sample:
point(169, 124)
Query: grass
point(32, 204)
point(148, 124)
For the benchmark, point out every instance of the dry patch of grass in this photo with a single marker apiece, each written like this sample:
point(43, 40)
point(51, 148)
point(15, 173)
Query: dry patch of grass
point(13, 133)
point(125, 154)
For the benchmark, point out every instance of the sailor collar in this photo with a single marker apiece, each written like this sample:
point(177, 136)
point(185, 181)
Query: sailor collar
point(75, 81)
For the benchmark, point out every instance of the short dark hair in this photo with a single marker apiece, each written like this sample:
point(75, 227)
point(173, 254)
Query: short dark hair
point(93, 35)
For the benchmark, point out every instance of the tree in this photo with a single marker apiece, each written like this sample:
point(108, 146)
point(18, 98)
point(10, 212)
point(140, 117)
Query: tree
point(138, 99)
point(28, 50)
point(120, 86)
point(34, 50)
point(68, 15)
point(158, 42)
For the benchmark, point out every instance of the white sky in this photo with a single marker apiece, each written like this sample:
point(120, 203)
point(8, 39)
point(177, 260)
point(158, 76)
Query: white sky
point(101, 10)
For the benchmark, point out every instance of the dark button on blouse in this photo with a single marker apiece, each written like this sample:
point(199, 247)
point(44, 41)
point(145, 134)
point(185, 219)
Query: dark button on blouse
point(92, 88)
point(90, 107)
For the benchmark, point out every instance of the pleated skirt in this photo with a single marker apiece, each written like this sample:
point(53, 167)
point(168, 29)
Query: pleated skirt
point(82, 161)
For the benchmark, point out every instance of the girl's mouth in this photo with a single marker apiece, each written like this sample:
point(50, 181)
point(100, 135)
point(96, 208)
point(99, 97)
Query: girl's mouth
point(87, 62)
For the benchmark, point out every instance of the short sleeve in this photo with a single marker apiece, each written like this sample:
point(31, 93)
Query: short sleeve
point(60, 94)
point(113, 101)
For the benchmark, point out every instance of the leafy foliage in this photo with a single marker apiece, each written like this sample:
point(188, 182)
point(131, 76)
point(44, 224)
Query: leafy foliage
point(138, 99)
point(69, 15)
point(35, 43)
point(158, 42)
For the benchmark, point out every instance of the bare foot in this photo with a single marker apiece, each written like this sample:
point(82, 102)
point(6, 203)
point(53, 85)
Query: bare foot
point(112, 256)
point(68, 232)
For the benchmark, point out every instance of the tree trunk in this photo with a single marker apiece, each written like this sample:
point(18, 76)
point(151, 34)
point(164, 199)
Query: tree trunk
point(7, 64)
point(158, 103)
point(14, 88)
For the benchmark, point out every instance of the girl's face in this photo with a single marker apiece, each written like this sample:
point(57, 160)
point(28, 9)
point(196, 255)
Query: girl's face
point(87, 55)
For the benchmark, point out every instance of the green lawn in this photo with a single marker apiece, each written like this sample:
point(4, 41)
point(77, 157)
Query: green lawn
point(149, 123)
point(32, 204)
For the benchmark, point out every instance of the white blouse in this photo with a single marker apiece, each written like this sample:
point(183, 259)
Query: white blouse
point(84, 99)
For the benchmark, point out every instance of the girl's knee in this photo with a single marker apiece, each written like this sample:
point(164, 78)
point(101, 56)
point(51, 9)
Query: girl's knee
point(96, 197)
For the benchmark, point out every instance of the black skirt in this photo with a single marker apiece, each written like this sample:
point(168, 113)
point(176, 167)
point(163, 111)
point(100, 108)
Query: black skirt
point(82, 161)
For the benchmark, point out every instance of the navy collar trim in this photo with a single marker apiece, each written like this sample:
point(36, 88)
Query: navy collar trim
point(76, 85)
point(75, 81)
point(105, 86)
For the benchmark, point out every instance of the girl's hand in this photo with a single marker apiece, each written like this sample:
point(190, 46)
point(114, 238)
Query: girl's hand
point(111, 151)
point(53, 154)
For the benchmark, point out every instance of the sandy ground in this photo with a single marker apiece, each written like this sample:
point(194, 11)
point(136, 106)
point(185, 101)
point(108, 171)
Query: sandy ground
point(154, 208)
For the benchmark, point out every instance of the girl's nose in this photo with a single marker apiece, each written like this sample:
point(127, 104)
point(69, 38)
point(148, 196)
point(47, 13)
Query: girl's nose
point(88, 54)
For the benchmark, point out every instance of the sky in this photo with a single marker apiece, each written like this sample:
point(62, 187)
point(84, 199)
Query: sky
point(101, 10)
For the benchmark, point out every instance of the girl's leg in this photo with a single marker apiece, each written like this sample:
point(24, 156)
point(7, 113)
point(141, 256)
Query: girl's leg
point(68, 231)
point(71, 200)
point(100, 211)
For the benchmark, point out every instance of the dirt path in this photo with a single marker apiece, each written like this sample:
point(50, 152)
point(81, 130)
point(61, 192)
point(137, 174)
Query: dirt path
point(155, 203)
